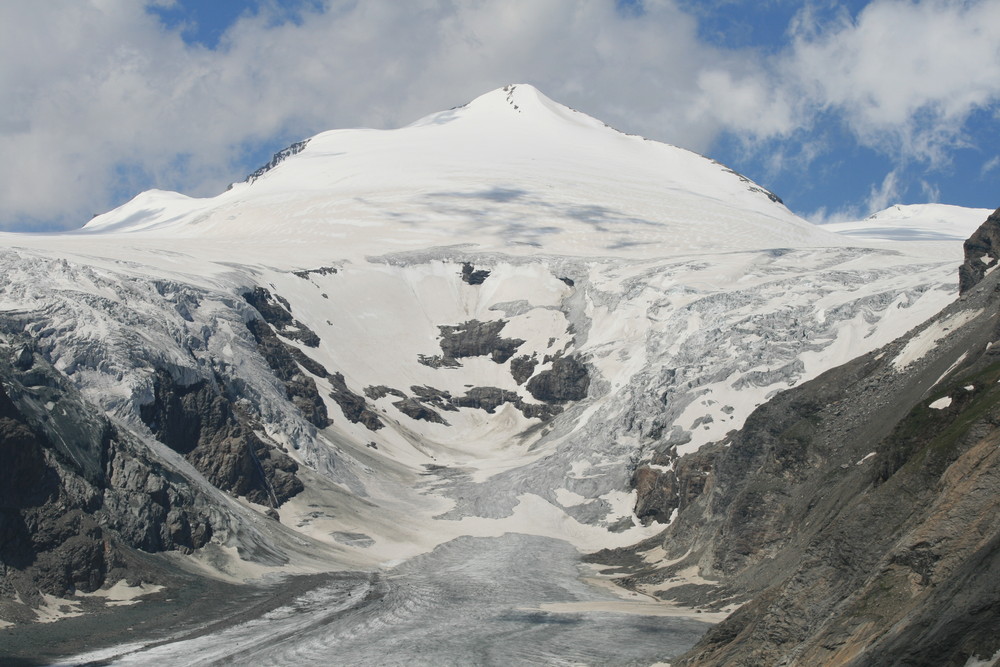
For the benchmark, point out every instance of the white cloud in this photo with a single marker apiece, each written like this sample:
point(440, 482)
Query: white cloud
point(882, 196)
point(823, 216)
point(905, 75)
point(931, 191)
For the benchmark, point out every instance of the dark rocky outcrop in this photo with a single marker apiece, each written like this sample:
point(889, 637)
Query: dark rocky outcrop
point(200, 423)
point(414, 409)
point(375, 392)
point(488, 399)
point(307, 362)
point(439, 398)
point(982, 251)
point(77, 496)
point(491, 398)
point(522, 367)
point(567, 380)
point(284, 360)
point(668, 483)
point(277, 159)
point(277, 313)
point(437, 361)
point(355, 407)
point(472, 276)
point(321, 271)
point(473, 339)
point(426, 402)
point(859, 524)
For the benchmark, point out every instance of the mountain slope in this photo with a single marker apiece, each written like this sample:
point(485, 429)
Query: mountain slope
point(857, 512)
point(915, 222)
point(512, 169)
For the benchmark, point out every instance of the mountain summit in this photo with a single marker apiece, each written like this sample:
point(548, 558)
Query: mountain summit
point(511, 168)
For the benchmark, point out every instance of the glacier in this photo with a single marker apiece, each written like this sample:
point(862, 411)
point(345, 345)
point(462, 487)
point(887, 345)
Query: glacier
point(467, 335)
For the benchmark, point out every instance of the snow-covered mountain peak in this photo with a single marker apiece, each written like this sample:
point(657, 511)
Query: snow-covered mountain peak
point(519, 103)
point(511, 171)
point(915, 222)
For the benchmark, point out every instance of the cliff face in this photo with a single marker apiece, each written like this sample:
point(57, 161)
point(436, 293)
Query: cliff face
point(856, 515)
point(982, 250)
point(198, 422)
point(77, 495)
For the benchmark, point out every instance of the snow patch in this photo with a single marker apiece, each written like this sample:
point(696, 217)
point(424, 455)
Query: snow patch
point(927, 340)
point(121, 594)
point(941, 403)
point(976, 661)
point(56, 609)
point(954, 365)
point(567, 498)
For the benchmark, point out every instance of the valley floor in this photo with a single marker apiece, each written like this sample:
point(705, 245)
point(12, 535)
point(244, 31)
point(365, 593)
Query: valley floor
point(514, 599)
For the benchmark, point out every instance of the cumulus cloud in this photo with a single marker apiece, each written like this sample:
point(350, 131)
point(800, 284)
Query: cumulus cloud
point(904, 75)
point(102, 99)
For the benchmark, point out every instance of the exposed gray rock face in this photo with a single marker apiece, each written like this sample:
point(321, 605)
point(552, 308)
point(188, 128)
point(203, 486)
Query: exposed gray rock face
point(567, 380)
point(856, 514)
point(427, 400)
point(302, 390)
point(277, 313)
point(355, 407)
point(522, 367)
point(77, 494)
point(414, 409)
point(437, 361)
point(304, 360)
point(321, 271)
point(472, 276)
point(283, 360)
point(491, 398)
point(488, 398)
point(83, 370)
point(198, 422)
point(277, 159)
point(439, 398)
point(376, 392)
point(982, 251)
point(661, 490)
point(473, 339)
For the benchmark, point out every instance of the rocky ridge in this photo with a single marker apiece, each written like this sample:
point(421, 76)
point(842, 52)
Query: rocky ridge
point(854, 517)
point(79, 495)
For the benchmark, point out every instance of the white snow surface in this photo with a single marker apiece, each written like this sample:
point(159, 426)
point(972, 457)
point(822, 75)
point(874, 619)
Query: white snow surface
point(915, 222)
point(941, 403)
point(511, 170)
point(689, 293)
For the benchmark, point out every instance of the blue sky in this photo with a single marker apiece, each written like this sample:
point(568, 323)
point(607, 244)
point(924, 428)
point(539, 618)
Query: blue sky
point(841, 108)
